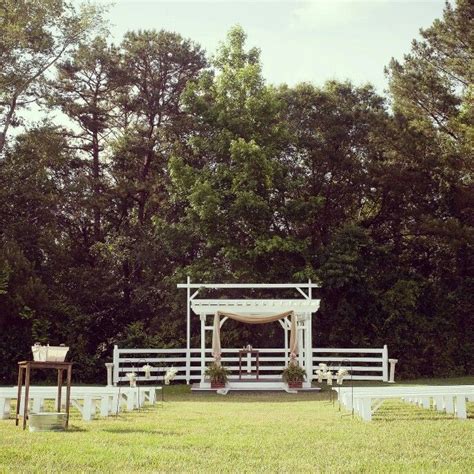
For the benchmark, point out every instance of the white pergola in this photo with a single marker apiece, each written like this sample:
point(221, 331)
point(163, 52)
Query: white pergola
point(303, 308)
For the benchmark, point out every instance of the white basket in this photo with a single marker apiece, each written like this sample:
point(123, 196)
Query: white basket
point(49, 353)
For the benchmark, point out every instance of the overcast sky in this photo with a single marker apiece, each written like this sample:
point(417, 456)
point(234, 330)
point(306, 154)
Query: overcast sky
point(311, 40)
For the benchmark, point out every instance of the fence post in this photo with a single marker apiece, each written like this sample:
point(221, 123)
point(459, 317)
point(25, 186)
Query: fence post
point(116, 364)
point(385, 363)
point(393, 362)
point(188, 331)
point(110, 376)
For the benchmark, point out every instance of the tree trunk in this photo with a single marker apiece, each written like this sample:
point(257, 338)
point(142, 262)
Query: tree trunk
point(8, 121)
point(96, 185)
point(127, 290)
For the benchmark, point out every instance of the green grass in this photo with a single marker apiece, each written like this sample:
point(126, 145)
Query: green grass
point(248, 433)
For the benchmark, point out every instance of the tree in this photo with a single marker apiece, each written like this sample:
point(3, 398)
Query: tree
point(223, 174)
point(156, 67)
point(431, 197)
point(434, 84)
point(170, 167)
point(153, 70)
point(35, 35)
point(336, 135)
point(84, 90)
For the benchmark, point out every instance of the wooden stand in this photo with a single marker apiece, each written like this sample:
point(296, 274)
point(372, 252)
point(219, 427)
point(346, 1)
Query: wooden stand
point(25, 367)
point(244, 352)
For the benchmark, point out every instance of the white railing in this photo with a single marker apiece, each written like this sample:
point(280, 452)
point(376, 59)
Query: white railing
point(364, 364)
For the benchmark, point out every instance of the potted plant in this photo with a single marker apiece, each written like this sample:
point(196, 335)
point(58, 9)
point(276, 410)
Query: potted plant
point(218, 375)
point(294, 376)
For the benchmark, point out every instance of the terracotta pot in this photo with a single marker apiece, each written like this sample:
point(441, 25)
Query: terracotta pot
point(295, 384)
point(217, 385)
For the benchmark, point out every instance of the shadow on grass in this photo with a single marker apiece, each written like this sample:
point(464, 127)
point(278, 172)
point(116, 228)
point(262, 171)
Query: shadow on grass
point(74, 429)
point(397, 411)
point(141, 431)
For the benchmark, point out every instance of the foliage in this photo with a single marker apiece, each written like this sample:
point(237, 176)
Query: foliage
point(35, 35)
point(170, 164)
point(293, 373)
point(217, 373)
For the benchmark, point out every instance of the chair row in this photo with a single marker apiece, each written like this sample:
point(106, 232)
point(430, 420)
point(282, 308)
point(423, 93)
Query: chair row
point(365, 401)
point(90, 401)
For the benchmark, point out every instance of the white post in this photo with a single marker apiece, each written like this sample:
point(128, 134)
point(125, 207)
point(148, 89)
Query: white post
point(310, 374)
point(385, 363)
point(203, 346)
point(116, 365)
point(4, 408)
point(449, 403)
point(461, 411)
point(286, 343)
point(188, 331)
point(309, 349)
point(393, 362)
point(109, 366)
point(300, 329)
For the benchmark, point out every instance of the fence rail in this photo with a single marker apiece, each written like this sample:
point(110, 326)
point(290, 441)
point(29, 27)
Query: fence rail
point(364, 363)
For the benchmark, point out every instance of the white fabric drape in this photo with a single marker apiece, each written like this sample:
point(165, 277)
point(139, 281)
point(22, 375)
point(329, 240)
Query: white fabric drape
point(252, 319)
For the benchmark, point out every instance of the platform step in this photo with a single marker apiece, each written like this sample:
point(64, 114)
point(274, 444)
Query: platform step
point(253, 386)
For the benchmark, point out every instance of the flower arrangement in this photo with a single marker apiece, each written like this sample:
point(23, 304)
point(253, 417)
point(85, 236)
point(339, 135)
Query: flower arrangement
point(132, 378)
point(328, 376)
point(324, 373)
point(321, 372)
point(218, 375)
point(341, 373)
point(170, 375)
point(294, 375)
point(147, 369)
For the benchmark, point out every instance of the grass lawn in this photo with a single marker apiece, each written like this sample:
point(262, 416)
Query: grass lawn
point(248, 433)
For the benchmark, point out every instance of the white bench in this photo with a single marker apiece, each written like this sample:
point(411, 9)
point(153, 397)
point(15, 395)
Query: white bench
point(88, 400)
point(367, 400)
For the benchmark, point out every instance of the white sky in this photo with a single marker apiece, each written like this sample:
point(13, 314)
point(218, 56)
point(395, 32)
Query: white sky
point(311, 40)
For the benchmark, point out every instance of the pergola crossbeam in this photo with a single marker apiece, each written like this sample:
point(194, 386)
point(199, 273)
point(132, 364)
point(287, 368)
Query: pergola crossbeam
point(249, 306)
point(247, 285)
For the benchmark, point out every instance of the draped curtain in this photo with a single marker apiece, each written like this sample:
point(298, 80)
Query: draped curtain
point(252, 319)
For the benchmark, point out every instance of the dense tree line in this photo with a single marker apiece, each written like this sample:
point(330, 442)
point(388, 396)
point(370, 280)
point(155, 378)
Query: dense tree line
point(158, 162)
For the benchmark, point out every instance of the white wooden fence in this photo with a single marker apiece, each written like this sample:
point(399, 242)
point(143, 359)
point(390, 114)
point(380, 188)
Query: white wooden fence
point(364, 364)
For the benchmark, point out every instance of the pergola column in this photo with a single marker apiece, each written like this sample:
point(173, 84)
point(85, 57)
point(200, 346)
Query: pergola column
point(301, 340)
point(309, 348)
point(203, 346)
point(188, 331)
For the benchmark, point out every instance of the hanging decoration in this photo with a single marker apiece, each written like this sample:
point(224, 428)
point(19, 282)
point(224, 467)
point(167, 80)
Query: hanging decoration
point(147, 369)
point(321, 372)
point(132, 378)
point(328, 375)
point(341, 373)
point(170, 375)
